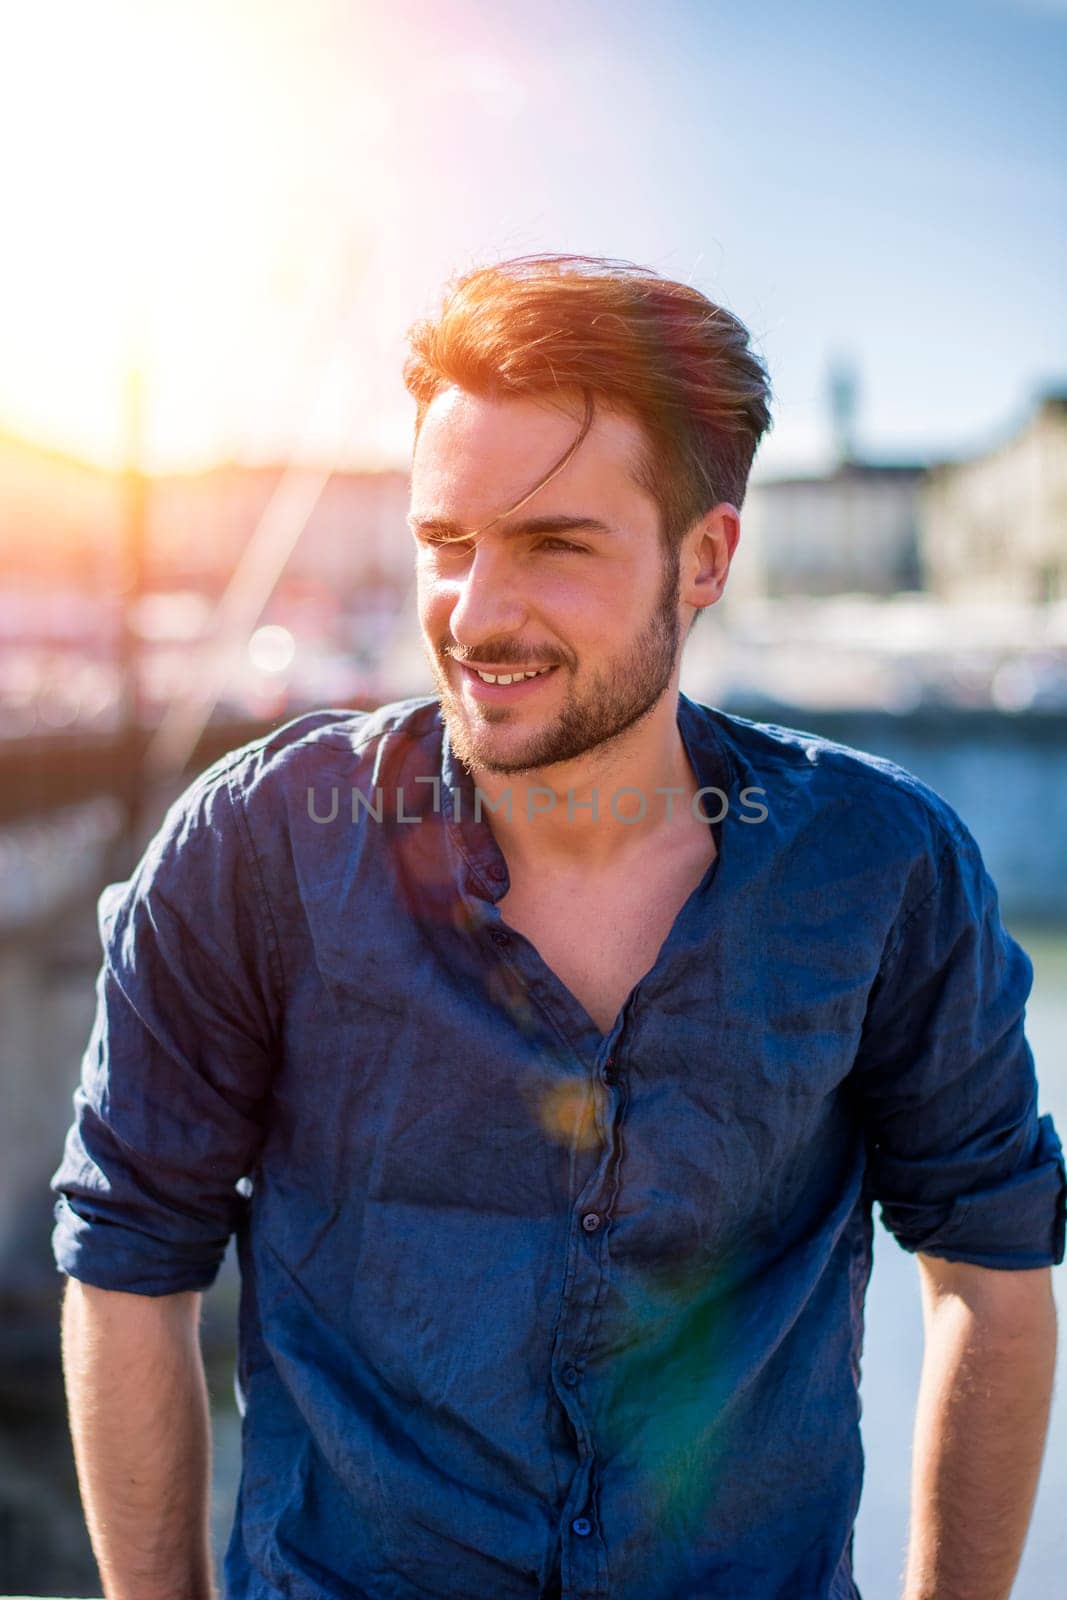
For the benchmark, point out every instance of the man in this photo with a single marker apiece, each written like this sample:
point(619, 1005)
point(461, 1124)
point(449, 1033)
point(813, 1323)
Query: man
point(545, 1042)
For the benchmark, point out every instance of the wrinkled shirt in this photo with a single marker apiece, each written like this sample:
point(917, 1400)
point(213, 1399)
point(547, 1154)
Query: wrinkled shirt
point(528, 1309)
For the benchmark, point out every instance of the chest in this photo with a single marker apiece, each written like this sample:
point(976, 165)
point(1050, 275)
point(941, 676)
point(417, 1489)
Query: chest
point(600, 936)
point(418, 1069)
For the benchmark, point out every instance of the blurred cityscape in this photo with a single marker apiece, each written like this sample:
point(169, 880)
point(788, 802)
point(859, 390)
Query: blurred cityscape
point(871, 584)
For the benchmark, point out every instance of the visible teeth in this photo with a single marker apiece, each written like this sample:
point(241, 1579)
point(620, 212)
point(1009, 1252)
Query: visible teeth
point(509, 677)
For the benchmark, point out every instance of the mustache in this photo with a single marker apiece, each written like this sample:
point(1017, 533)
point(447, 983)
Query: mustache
point(508, 657)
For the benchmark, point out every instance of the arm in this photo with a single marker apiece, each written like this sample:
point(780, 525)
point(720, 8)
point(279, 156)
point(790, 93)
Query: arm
point(142, 1444)
point(169, 1116)
point(980, 1427)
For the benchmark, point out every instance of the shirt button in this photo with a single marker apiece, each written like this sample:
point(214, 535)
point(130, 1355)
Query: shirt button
point(591, 1222)
point(571, 1376)
point(500, 938)
point(498, 872)
point(607, 1071)
point(582, 1526)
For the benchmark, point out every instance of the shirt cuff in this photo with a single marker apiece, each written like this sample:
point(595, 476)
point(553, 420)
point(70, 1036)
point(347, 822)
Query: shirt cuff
point(1019, 1223)
point(111, 1255)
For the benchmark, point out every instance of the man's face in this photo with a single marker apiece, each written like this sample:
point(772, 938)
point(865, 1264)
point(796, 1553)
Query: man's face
point(575, 580)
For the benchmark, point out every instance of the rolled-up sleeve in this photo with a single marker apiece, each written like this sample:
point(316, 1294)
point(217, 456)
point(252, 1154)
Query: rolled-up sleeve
point(168, 1112)
point(958, 1156)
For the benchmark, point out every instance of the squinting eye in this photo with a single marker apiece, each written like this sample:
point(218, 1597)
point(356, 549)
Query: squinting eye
point(562, 544)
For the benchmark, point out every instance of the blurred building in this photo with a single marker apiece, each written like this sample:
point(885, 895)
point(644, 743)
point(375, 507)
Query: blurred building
point(61, 524)
point(200, 523)
point(332, 598)
point(58, 520)
point(994, 528)
point(852, 530)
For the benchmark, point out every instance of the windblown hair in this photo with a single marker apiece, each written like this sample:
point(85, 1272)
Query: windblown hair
point(656, 350)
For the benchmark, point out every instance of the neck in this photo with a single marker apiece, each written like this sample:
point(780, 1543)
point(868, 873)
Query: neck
point(585, 811)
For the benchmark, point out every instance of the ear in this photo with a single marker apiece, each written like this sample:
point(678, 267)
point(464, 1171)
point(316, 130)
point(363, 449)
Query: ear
point(707, 553)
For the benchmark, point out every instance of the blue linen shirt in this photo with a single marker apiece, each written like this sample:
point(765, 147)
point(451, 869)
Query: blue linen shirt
point(528, 1309)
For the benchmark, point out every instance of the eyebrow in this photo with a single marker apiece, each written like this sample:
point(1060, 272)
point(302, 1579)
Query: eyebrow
point(560, 523)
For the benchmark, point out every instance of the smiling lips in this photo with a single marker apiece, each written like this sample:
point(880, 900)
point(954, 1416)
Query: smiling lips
point(506, 683)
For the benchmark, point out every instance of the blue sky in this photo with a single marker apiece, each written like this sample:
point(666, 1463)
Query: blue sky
point(277, 191)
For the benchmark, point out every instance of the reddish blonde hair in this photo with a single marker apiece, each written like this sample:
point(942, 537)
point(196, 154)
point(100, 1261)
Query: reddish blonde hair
point(657, 350)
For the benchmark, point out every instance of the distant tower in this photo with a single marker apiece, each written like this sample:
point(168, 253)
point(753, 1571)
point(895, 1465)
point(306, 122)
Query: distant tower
point(843, 392)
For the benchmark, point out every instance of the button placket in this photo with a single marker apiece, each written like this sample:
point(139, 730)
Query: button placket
point(583, 1554)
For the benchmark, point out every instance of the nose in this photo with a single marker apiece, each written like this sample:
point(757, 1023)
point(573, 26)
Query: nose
point(489, 600)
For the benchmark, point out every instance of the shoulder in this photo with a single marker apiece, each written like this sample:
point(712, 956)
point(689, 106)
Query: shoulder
point(320, 745)
point(258, 787)
point(845, 809)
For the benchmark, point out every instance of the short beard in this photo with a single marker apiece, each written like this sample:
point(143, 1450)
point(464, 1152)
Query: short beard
point(607, 709)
